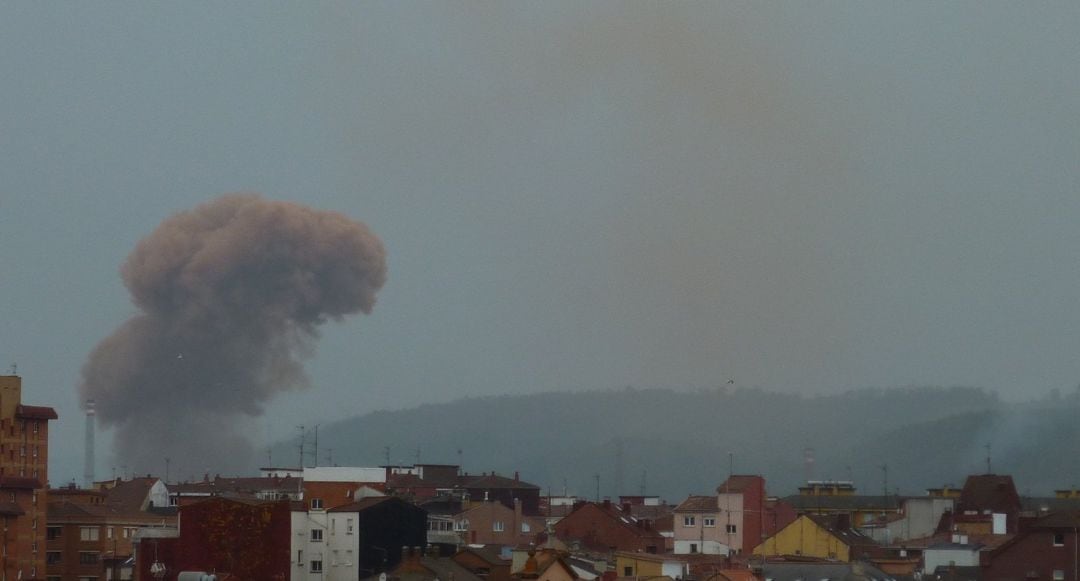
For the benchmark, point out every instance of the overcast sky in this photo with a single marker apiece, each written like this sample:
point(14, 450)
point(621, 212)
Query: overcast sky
point(809, 196)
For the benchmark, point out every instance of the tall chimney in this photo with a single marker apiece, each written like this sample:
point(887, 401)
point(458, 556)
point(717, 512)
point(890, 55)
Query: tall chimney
point(88, 468)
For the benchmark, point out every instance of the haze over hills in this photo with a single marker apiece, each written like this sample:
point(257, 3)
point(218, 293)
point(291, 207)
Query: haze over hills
point(675, 443)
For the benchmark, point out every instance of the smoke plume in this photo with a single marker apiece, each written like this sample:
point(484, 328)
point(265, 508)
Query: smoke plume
point(230, 296)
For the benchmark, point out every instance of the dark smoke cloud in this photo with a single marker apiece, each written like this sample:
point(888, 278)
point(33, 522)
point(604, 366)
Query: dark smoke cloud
point(231, 296)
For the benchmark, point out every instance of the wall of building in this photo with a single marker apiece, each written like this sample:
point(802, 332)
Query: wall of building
point(805, 537)
point(24, 454)
point(1035, 553)
point(335, 547)
point(934, 558)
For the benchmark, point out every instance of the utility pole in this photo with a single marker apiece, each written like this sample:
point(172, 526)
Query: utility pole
point(315, 461)
point(988, 470)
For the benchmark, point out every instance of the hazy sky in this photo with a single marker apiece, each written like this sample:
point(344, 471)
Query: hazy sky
point(801, 196)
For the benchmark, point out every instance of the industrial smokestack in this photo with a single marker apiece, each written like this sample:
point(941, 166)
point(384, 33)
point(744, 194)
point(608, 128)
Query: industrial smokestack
point(88, 458)
point(231, 296)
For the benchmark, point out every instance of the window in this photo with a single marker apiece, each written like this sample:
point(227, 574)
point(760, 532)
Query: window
point(89, 557)
point(88, 533)
point(732, 529)
point(348, 526)
point(525, 528)
point(316, 566)
point(1059, 539)
point(52, 557)
point(316, 535)
point(53, 533)
point(708, 521)
point(333, 525)
point(628, 571)
point(300, 557)
point(108, 532)
point(693, 547)
point(316, 504)
point(348, 557)
point(497, 526)
point(462, 525)
point(688, 521)
point(1059, 575)
point(87, 578)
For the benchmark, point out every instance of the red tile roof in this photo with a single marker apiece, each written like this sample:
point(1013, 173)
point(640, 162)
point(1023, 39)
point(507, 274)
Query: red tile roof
point(740, 483)
point(35, 412)
point(130, 495)
point(698, 504)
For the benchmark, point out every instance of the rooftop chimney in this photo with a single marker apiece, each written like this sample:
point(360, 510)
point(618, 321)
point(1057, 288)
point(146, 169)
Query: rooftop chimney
point(88, 458)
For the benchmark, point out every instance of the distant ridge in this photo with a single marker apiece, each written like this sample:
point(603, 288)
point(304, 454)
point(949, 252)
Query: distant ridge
point(678, 442)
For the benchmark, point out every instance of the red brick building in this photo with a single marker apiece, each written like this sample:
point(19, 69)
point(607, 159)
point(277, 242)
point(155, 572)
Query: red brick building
point(606, 527)
point(242, 538)
point(24, 462)
point(91, 533)
point(1046, 550)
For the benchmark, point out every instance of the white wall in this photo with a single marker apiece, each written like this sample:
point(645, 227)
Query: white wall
point(344, 474)
point(706, 547)
point(934, 558)
point(338, 549)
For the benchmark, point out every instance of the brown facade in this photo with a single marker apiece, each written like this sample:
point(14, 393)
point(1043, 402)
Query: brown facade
point(24, 461)
point(491, 523)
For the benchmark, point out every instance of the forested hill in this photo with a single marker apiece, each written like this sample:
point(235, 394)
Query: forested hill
point(675, 443)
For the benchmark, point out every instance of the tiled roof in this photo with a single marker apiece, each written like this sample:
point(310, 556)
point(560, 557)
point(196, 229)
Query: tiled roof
point(849, 536)
point(792, 571)
point(71, 510)
point(35, 412)
point(805, 502)
point(1045, 505)
point(362, 504)
point(986, 541)
point(739, 483)
point(1065, 519)
point(130, 495)
point(491, 554)
point(698, 504)
point(242, 485)
point(494, 481)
